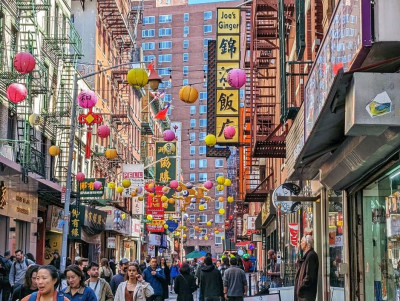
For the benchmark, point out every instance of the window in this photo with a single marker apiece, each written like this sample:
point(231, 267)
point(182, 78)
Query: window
point(205, 68)
point(203, 123)
point(203, 219)
point(186, 57)
point(205, 55)
point(185, 82)
point(165, 45)
point(191, 233)
point(219, 163)
point(205, 84)
point(192, 164)
point(185, 31)
point(218, 174)
point(203, 163)
point(192, 137)
point(207, 15)
point(149, 46)
point(185, 70)
point(219, 218)
point(149, 58)
point(169, 111)
point(165, 32)
point(149, 20)
point(148, 33)
point(192, 110)
point(203, 109)
point(164, 71)
point(163, 58)
point(202, 136)
point(165, 19)
point(192, 206)
point(185, 44)
point(192, 150)
point(192, 177)
point(202, 176)
point(205, 42)
point(167, 97)
point(218, 240)
point(192, 218)
point(203, 232)
point(203, 96)
point(218, 192)
point(192, 123)
point(186, 17)
point(218, 205)
point(241, 94)
point(202, 150)
point(207, 29)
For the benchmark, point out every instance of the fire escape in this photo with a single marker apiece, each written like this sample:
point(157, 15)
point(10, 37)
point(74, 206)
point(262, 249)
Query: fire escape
point(264, 129)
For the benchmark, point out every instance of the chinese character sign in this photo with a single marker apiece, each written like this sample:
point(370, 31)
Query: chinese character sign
point(75, 223)
point(135, 173)
point(166, 162)
point(86, 188)
point(155, 208)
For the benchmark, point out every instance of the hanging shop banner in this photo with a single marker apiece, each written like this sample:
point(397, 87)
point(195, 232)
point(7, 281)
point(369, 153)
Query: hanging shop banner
point(87, 188)
point(156, 210)
point(251, 222)
point(91, 220)
point(166, 162)
point(294, 233)
point(227, 102)
point(136, 228)
point(137, 206)
point(111, 242)
point(134, 173)
point(117, 220)
point(76, 221)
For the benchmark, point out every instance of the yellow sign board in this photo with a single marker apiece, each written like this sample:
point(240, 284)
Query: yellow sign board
point(228, 48)
point(227, 102)
point(222, 73)
point(228, 21)
point(221, 123)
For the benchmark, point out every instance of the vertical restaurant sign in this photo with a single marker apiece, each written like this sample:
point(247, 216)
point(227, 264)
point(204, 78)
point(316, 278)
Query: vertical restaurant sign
point(166, 162)
point(76, 222)
point(155, 208)
point(134, 173)
point(228, 57)
point(86, 188)
point(294, 232)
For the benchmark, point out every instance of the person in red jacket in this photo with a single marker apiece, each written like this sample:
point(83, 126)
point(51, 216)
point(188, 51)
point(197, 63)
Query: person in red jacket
point(247, 264)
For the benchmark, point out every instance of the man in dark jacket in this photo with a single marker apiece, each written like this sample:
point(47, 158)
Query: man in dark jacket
point(305, 287)
point(210, 282)
point(155, 276)
point(5, 267)
point(120, 277)
point(56, 260)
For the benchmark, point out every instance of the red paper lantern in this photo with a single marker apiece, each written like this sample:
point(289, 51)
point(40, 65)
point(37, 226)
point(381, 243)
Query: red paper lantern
point(230, 217)
point(103, 131)
point(174, 184)
point(80, 176)
point(229, 132)
point(97, 185)
point(16, 92)
point(87, 99)
point(208, 184)
point(169, 135)
point(24, 62)
point(236, 78)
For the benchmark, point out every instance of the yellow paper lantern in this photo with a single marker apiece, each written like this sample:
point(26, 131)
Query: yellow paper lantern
point(149, 217)
point(34, 119)
point(120, 189)
point(140, 198)
point(133, 193)
point(201, 207)
point(210, 140)
point(171, 201)
point(111, 153)
point(221, 211)
point(221, 180)
point(126, 183)
point(209, 223)
point(137, 78)
point(230, 199)
point(206, 237)
point(111, 185)
point(221, 199)
point(216, 232)
point(164, 199)
point(151, 186)
point(199, 219)
point(165, 205)
point(165, 226)
point(184, 235)
point(196, 228)
point(188, 94)
point(228, 182)
point(54, 150)
point(169, 148)
point(222, 237)
point(186, 230)
point(220, 187)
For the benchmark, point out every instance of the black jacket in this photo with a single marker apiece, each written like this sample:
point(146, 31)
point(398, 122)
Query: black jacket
point(185, 286)
point(211, 282)
point(305, 286)
point(56, 262)
point(21, 292)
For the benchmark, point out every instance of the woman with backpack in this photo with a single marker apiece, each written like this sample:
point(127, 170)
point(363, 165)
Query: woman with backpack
point(105, 270)
point(185, 284)
point(29, 285)
point(47, 281)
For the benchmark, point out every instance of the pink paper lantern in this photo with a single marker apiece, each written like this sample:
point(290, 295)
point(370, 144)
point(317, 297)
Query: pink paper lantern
point(80, 176)
point(16, 92)
point(87, 99)
point(229, 132)
point(103, 131)
point(208, 184)
point(97, 185)
point(174, 184)
point(236, 78)
point(169, 135)
point(24, 62)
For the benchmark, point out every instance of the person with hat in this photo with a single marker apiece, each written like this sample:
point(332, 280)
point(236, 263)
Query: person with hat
point(120, 277)
point(247, 264)
point(275, 270)
point(55, 262)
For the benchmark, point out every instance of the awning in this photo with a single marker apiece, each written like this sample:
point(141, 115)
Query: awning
point(243, 243)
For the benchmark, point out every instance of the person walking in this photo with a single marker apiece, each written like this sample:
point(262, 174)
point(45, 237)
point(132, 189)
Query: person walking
point(155, 276)
point(166, 270)
point(5, 267)
point(55, 262)
point(46, 280)
point(224, 266)
point(185, 284)
point(174, 273)
point(211, 286)
point(76, 289)
point(306, 281)
point(120, 277)
point(145, 263)
point(113, 265)
point(100, 286)
point(18, 269)
point(83, 264)
point(275, 270)
point(247, 264)
point(30, 285)
point(105, 270)
point(135, 288)
point(235, 283)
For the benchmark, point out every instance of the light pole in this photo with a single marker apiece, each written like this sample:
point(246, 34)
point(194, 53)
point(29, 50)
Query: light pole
point(68, 189)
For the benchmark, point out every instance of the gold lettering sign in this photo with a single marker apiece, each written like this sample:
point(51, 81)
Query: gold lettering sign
point(222, 122)
point(228, 48)
point(222, 73)
point(227, 102)
point(228, 21)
